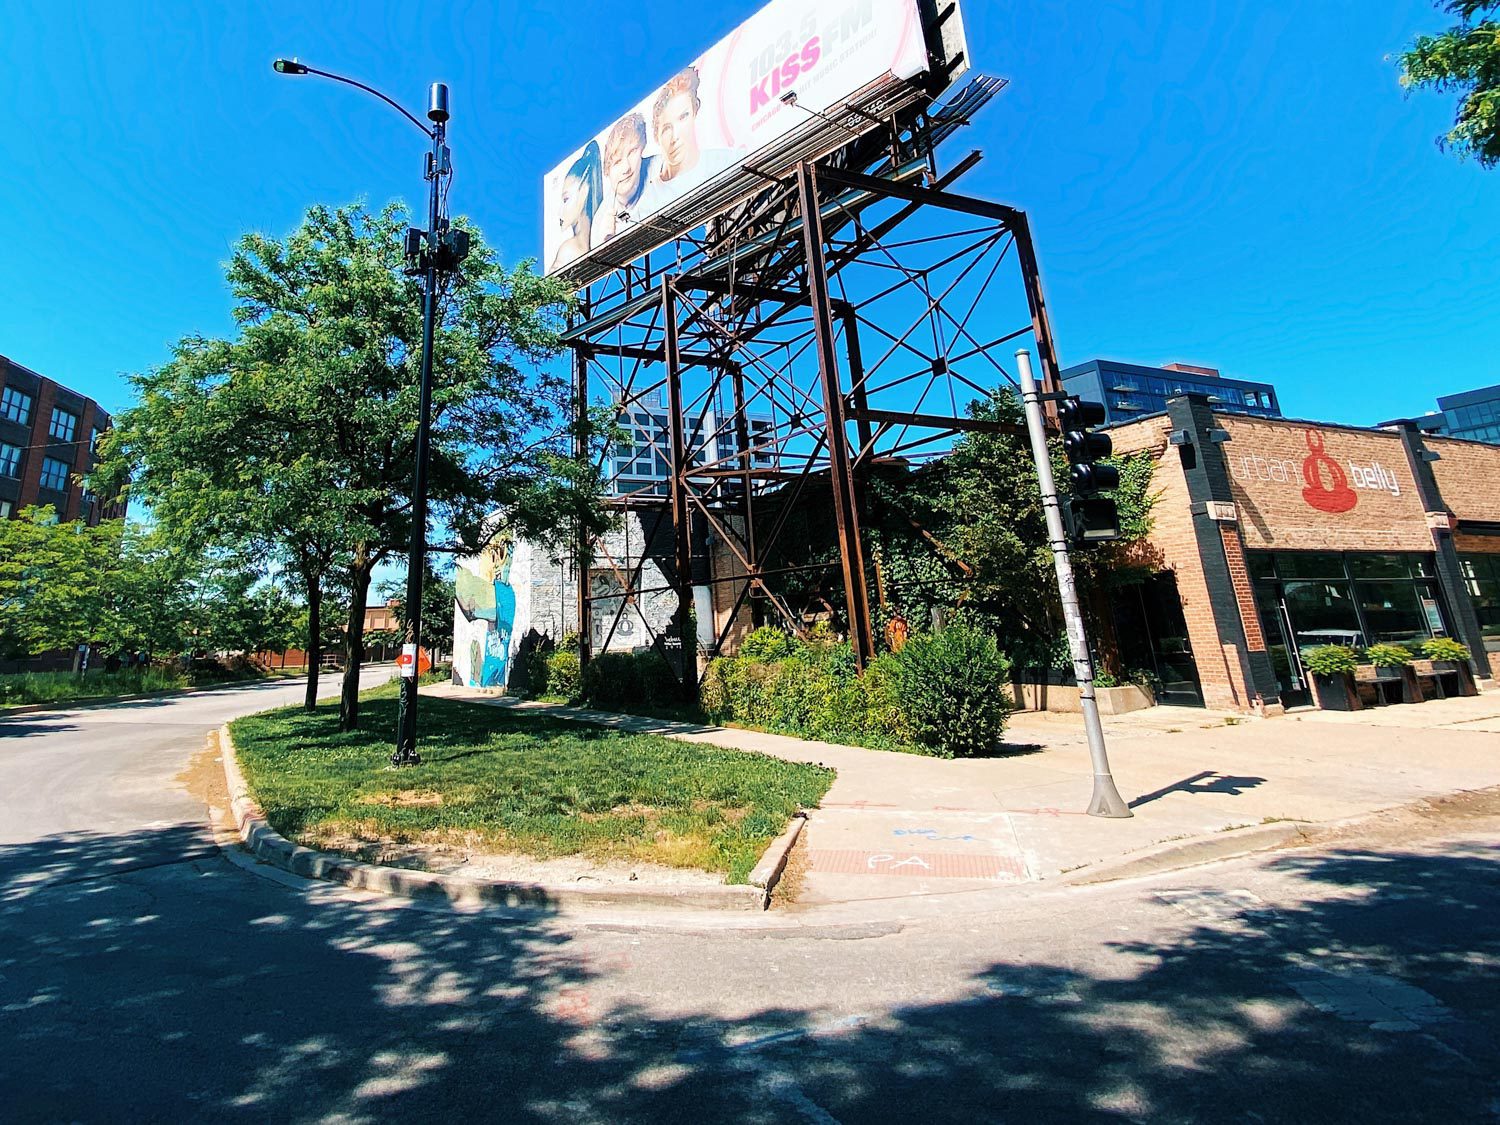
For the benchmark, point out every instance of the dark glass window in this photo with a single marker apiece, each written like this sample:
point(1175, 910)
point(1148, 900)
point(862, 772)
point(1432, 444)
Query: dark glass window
point(1260, 564)
point(1392, 611)
point(10, 460)
point(1379, 566)
point(15, 405)
point(1310, 564)
point(64, 424)
point(1482, 577)
point(54, 474)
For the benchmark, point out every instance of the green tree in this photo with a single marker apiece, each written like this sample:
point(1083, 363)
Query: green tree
point(55, 580)
point(437, 608)
point(308, 416)
point(1466, 59)
point(967, 534)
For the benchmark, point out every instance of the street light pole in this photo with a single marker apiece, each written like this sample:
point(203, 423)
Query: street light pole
point(416, 559)
point(442, 252)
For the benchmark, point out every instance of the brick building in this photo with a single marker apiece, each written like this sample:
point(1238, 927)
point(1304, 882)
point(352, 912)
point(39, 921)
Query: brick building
point(47, 439)
point(1272, 535)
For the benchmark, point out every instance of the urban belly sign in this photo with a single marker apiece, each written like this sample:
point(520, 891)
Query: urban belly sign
point(1328, 485)
point(767, 93)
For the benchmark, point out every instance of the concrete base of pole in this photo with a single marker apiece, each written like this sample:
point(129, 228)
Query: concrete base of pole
point(1106, 800)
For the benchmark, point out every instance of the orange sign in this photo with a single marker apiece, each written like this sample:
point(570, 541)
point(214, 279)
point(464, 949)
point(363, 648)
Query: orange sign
point(423, 661)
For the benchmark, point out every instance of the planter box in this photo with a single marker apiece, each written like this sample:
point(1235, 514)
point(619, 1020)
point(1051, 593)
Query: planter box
point(1336, 693)
point(1065, 698)
point(1460, 670)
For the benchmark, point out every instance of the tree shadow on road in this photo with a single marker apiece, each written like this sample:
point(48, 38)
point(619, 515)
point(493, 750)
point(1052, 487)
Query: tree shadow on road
point(199, 990)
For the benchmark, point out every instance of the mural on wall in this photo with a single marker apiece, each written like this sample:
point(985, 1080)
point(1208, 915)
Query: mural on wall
point(484, 618)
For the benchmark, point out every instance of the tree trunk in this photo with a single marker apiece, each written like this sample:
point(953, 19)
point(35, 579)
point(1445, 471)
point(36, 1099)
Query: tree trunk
point(354, 638)
point(314, 584)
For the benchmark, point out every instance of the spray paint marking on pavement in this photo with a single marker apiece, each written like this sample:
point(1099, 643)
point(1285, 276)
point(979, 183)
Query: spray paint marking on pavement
point(931, 865)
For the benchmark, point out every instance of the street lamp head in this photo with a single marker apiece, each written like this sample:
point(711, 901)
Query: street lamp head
point(437, 103)
point(288, 66)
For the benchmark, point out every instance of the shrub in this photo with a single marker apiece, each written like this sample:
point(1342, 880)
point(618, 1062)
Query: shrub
point(561, 671)
point(949, 688)
point(767, 643)
point(615, 681)
point(1387, 656)
point(1330, 660)
point(1444, 648)
point(437, 674)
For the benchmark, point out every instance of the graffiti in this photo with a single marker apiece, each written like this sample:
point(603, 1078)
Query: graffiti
point(910, 861)
point(485, 618)
point(929, 834)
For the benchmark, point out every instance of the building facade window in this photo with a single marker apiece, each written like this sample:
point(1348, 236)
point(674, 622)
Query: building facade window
point(6, 507)
point(64, 424)
point(10, 460)
point(1311, 598)
point(15, 405)
point(54, 474)
point(1482, 577)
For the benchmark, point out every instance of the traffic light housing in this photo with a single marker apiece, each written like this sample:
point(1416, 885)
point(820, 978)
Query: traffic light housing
point(1091, 518)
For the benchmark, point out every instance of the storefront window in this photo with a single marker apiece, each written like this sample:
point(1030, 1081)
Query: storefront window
point(1392, 611)
point(1482, 576)
point(1322, 613)
point(1379, 566)
point(1310, 564)
point(1355, 599)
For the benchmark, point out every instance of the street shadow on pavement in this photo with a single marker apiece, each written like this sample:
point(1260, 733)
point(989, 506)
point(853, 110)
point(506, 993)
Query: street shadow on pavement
point(200, 991)
point(1208, 781)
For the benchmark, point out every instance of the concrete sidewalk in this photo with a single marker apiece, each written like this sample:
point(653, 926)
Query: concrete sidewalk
point(898, 825)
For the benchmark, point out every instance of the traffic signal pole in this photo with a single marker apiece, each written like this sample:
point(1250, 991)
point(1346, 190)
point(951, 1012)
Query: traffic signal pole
point(1106, 800)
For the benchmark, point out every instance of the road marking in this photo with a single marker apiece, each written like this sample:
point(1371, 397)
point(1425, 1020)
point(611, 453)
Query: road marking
point(932, 865)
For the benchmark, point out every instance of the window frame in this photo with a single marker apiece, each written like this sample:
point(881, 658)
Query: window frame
point(47, 463)
point(9, 397)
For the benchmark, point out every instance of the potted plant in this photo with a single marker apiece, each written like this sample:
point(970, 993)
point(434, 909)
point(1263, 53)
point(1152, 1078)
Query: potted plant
point(1447, 655)
point(1393, 665)
point(1332, 670)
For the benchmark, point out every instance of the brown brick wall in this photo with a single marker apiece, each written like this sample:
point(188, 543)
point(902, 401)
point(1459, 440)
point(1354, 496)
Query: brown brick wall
point(1476, 544)
point(1468, 476)
point(1271, 463)
point(1173, 546)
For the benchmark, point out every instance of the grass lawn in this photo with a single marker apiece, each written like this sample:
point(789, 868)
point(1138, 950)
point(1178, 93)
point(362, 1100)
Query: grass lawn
point(521, 783)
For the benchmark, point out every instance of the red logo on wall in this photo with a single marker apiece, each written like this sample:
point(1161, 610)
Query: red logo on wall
point(1327, 488)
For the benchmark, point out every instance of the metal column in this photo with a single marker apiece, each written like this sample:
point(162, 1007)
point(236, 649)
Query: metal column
point(841, 480)
point(682, 530)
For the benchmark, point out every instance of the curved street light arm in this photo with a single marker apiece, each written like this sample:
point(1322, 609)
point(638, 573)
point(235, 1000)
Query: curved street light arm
point(303, 68)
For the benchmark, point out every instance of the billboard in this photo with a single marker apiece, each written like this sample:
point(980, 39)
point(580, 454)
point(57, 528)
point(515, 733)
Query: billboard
point(777, 80)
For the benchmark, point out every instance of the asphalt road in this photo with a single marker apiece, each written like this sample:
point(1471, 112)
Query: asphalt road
point(145, 975)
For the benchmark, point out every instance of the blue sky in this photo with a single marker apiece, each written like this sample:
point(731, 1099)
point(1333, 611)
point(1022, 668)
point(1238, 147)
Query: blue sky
point(1239, 184)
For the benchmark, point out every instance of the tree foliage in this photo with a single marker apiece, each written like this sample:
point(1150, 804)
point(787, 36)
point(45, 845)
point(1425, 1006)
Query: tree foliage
point(967, 534)
point(1466, 59)
point(129, 589)
point(299, 433)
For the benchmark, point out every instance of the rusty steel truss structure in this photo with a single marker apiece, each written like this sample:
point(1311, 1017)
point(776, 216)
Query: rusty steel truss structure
point(842, 318)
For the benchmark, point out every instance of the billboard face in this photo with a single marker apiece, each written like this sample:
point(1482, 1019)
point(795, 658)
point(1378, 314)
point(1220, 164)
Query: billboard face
point(698, 130)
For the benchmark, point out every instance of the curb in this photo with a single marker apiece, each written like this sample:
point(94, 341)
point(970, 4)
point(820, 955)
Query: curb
point(1175, 855)
point(270, 847)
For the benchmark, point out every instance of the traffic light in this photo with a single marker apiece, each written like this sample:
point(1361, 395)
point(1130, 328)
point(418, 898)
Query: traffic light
point(1091, 518)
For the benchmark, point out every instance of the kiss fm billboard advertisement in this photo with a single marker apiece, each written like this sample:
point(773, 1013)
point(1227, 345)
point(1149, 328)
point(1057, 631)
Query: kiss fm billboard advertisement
point(711, 117)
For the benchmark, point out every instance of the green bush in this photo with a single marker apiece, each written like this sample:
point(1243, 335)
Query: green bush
point(1387, 656)
point(622, 681)
point(1444, 648)
point(946, 697)
point(561, 670)
point(437, 674)
point(1330, 660)
point(768, 643)
point(950, 691)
